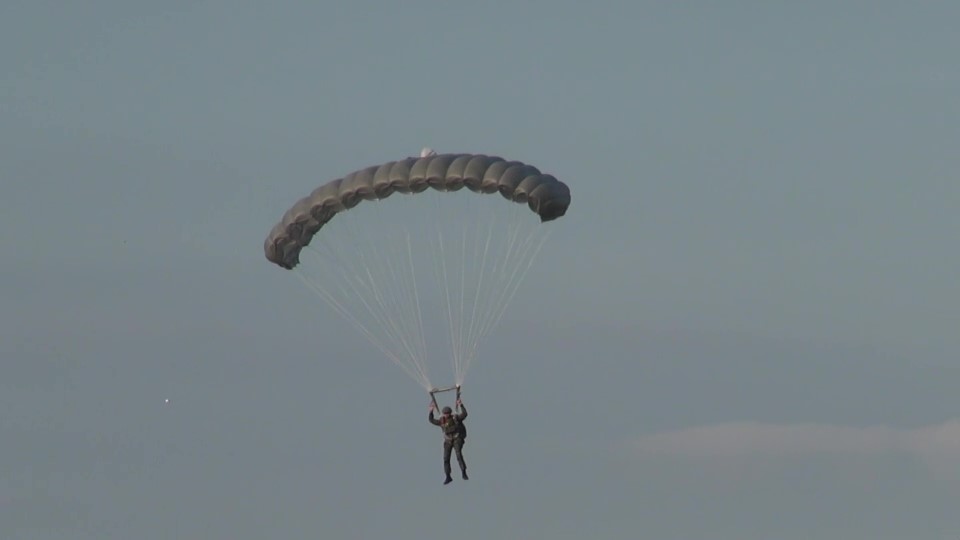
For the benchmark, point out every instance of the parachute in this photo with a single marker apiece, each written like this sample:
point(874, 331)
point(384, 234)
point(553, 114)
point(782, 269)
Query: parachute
point(372, 264)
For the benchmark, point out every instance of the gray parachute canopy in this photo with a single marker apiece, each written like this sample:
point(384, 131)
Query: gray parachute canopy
point(515, 181)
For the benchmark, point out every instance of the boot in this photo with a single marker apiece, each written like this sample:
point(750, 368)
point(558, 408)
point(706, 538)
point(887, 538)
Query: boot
point(448, 480)
point(465, 477)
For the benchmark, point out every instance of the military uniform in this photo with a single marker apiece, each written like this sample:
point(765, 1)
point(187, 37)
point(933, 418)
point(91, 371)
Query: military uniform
point(454, 434)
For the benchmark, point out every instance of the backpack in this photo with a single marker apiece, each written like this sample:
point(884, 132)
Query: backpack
point(461, 428)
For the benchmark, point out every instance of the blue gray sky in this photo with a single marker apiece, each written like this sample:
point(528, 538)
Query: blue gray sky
point(744, 328)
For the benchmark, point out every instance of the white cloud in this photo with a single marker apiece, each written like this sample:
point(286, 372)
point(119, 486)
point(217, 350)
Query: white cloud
point(937, 443)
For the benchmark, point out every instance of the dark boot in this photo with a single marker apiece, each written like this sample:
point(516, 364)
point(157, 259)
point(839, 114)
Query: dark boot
point(465, 477)
point(448, 480)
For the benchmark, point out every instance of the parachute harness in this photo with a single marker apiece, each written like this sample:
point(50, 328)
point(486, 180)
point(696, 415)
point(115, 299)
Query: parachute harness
point(434, 391)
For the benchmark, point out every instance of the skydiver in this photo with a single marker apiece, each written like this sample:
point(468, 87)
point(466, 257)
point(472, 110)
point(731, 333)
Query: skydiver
point(454, 434)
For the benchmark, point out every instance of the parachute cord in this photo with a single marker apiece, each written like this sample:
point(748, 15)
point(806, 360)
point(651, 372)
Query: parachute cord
point(405, 301)
point(489, 301)
point(389, 321)
point(473, 333)
point(475, 266)
point(451, 326)
point(521, 267)
point(518, 259)
point(384, 316)
point(463, 286)
point(416, 297)
point(382, 319)
point(419, 377)
point(381, 306)
point(407, 293)
point(517, 279)
point(372, 280)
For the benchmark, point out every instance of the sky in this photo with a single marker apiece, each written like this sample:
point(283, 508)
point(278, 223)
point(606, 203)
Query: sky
point(745, 327)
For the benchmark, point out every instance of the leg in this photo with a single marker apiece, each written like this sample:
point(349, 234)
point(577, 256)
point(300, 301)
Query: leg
point(447, 447)
point(458, 446)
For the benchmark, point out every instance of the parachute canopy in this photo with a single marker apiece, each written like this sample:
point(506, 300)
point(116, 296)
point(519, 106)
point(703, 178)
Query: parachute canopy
point(515, 181)
point(372, 264)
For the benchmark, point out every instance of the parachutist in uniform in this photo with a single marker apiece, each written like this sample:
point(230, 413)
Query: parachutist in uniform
point(454, 434)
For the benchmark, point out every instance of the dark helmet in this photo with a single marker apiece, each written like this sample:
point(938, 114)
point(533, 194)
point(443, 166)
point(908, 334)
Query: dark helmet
point(447, 410)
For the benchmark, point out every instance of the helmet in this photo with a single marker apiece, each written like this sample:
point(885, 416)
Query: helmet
point(447, 410)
